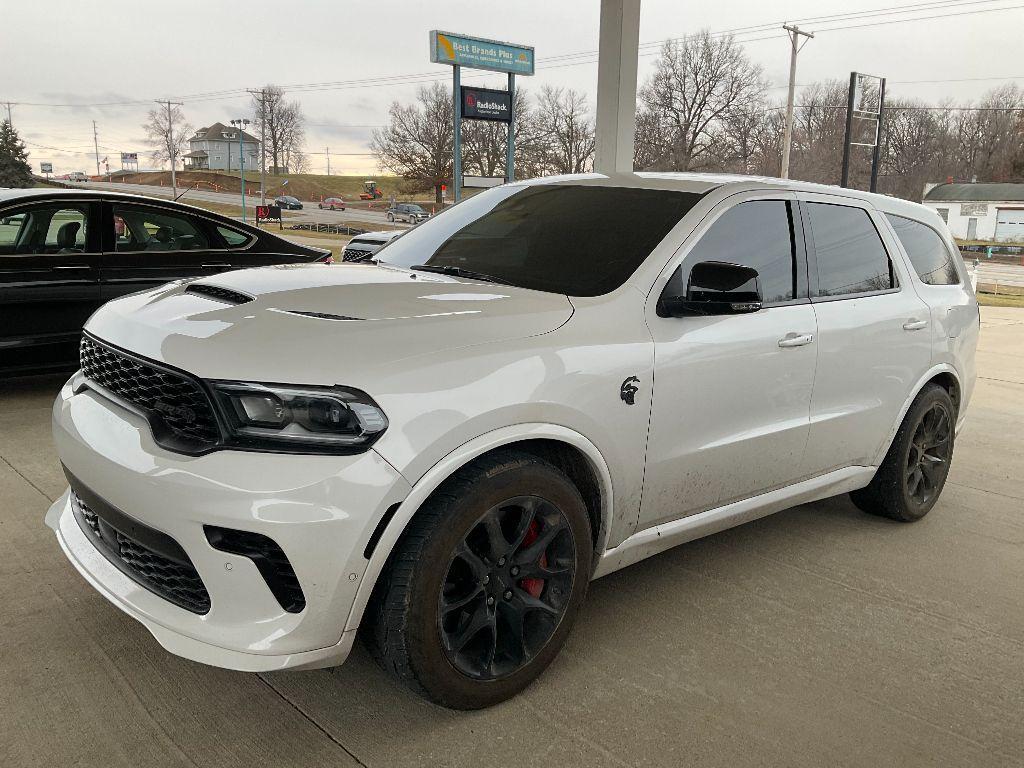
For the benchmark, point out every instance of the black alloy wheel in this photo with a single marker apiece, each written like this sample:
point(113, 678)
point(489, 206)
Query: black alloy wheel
point(928, 457)
point(506, 587)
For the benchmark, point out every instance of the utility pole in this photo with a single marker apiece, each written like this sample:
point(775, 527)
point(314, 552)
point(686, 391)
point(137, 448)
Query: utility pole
point(172, 152)
point(794, 33)
point(263, 138)
point(96, 146)
point(328, 160)
point(242, 124)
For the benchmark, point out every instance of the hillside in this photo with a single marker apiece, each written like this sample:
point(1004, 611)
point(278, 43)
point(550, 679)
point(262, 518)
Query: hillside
point(309, 187)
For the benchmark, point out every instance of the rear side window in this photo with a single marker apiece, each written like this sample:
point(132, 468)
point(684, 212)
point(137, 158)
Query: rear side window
point(850, 255)
point(928, 252)
point(756, 234)
point(138, 228)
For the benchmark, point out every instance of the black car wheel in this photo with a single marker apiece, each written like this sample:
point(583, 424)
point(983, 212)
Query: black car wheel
point(914, 471)
point(481, 591)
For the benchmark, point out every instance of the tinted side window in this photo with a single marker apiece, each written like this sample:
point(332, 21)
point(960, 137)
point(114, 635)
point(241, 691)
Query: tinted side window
point(927, 251)
point(49, 228)
point(152, 229)
point(850, 254)
point(233, 237)
point(756, 234)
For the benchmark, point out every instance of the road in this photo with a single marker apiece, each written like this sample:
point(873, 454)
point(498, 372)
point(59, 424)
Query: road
point(1004, 274)
point(310, 213)
point(819, 636)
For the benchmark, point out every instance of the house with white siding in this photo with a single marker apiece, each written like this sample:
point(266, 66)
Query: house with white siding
point(216, 148)
point(980, 210)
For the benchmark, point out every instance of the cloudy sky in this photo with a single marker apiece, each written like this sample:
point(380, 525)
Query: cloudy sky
point(106, 60)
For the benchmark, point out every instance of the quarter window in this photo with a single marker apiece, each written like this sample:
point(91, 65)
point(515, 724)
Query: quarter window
point(927, 251)
point(850, 256)
point(756, 234)
point(233, 237)
point(150, 229)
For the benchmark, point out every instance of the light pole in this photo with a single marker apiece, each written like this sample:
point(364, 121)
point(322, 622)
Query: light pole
point(241, 125)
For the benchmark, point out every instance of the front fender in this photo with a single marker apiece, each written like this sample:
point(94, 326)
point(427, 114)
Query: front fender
point(449, 464)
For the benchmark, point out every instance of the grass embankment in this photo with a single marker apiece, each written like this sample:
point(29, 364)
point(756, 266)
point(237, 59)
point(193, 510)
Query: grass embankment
point(1000, 300)
point(308, 187)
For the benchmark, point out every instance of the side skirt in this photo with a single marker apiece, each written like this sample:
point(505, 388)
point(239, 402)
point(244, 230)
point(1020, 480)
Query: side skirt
point(651, 541)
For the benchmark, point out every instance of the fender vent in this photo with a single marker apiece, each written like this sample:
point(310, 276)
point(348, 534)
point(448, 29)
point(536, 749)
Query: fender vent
point(320, 315)
point(217, 293)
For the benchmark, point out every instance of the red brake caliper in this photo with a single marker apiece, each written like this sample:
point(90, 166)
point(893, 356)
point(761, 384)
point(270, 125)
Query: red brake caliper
point(533, 587)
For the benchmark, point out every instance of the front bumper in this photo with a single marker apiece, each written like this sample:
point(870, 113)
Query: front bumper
point(321, 511)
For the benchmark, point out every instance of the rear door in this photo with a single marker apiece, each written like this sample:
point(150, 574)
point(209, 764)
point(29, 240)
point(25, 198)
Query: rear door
point(874, 332)
point(49, 281)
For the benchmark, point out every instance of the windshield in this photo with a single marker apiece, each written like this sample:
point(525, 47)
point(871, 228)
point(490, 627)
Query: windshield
point(415, 209)
point(571, 239)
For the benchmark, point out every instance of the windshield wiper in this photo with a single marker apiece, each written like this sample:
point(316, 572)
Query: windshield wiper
point(451, 269)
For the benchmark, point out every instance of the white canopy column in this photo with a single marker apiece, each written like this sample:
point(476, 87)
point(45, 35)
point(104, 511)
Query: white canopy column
point(618, 53)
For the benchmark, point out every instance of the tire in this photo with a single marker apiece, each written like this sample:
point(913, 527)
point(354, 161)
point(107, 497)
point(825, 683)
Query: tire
point(391, 218)
point(320, 206)
point(910, 480)
point(497, 629)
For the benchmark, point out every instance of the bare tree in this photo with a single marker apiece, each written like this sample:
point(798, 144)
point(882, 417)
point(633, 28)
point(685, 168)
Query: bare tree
point(168, 136)
point(280, 122)
point(417, 142)
point(698, 83)
point(569, 137)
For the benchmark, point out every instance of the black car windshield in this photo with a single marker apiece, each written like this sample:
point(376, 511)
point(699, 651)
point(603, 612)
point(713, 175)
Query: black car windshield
point(572, 239)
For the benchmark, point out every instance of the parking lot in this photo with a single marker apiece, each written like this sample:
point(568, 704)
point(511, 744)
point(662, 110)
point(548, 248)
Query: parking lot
point(819, 636)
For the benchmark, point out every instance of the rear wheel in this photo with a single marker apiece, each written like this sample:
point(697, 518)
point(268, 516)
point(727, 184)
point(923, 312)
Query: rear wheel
point(391, 218)
point(483, 587)
point(914, 471)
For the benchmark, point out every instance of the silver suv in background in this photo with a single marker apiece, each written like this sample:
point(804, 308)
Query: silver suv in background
point(362, 247)
point(409, 212)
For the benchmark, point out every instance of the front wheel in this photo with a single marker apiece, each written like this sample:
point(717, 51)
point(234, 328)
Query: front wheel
point(481, 591)
point(391, 218)
point(914, 471)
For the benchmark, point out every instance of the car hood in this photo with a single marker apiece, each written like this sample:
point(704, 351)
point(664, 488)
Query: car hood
point(320, 323)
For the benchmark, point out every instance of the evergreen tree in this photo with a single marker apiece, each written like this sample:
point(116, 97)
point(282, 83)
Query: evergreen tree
point(14, 168)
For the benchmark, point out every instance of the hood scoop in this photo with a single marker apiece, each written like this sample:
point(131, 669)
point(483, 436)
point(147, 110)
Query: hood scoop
point(217, 293)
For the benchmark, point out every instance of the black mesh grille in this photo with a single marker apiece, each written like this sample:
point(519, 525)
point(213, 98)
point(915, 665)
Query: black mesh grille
point(175, 580)
point(177, 406)
point(220, 294)
point(270, 561)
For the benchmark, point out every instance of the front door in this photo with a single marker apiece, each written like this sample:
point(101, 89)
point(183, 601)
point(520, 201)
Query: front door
point(49, 267)
point(731, 393)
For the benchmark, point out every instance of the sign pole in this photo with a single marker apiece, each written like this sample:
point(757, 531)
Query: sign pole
point(510, 163)
point(877, 152)
point(457, 103)
point(844, 179)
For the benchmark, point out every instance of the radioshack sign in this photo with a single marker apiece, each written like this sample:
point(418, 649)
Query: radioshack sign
point(486, 104)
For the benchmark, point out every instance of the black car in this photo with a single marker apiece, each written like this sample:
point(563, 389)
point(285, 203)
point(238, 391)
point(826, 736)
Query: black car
point(289, 203)
point(63, 253)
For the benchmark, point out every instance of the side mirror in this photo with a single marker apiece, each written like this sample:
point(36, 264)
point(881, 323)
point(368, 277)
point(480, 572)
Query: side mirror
point(712, 288)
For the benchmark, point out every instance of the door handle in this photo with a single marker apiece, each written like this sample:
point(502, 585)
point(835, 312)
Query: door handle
point(796, 340)
point(72, 266)
point(216, 266)
point(915, 325)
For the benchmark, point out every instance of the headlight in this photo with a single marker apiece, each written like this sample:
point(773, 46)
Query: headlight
point(299, 419)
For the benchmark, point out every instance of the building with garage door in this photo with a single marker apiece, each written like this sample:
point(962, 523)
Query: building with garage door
point(980, 211)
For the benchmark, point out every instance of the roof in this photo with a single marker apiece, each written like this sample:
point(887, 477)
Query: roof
point(978, 191)
point(218, 128)
point(198, 153)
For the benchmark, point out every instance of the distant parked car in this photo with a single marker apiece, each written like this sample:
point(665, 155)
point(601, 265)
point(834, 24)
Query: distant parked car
point(362, 247)
point(65, 252)
point(332, 204)
point(289, 203)
point(413, 214)
point(75, 176)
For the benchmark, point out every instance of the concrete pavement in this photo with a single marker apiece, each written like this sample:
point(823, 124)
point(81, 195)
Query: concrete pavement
point(819, 636)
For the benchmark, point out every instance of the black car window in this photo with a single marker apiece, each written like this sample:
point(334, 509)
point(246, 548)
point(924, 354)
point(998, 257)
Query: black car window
point(139, 228)
point(756, 234)
point(233, 238)
point(849, 252)
point(928, 252)
point(47, 228)
point(572, 239)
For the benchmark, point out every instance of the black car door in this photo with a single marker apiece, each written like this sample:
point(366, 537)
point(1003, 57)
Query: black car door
point(146, 245)
point(49, 281)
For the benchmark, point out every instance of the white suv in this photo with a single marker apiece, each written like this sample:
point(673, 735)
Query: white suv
point(546, 383)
